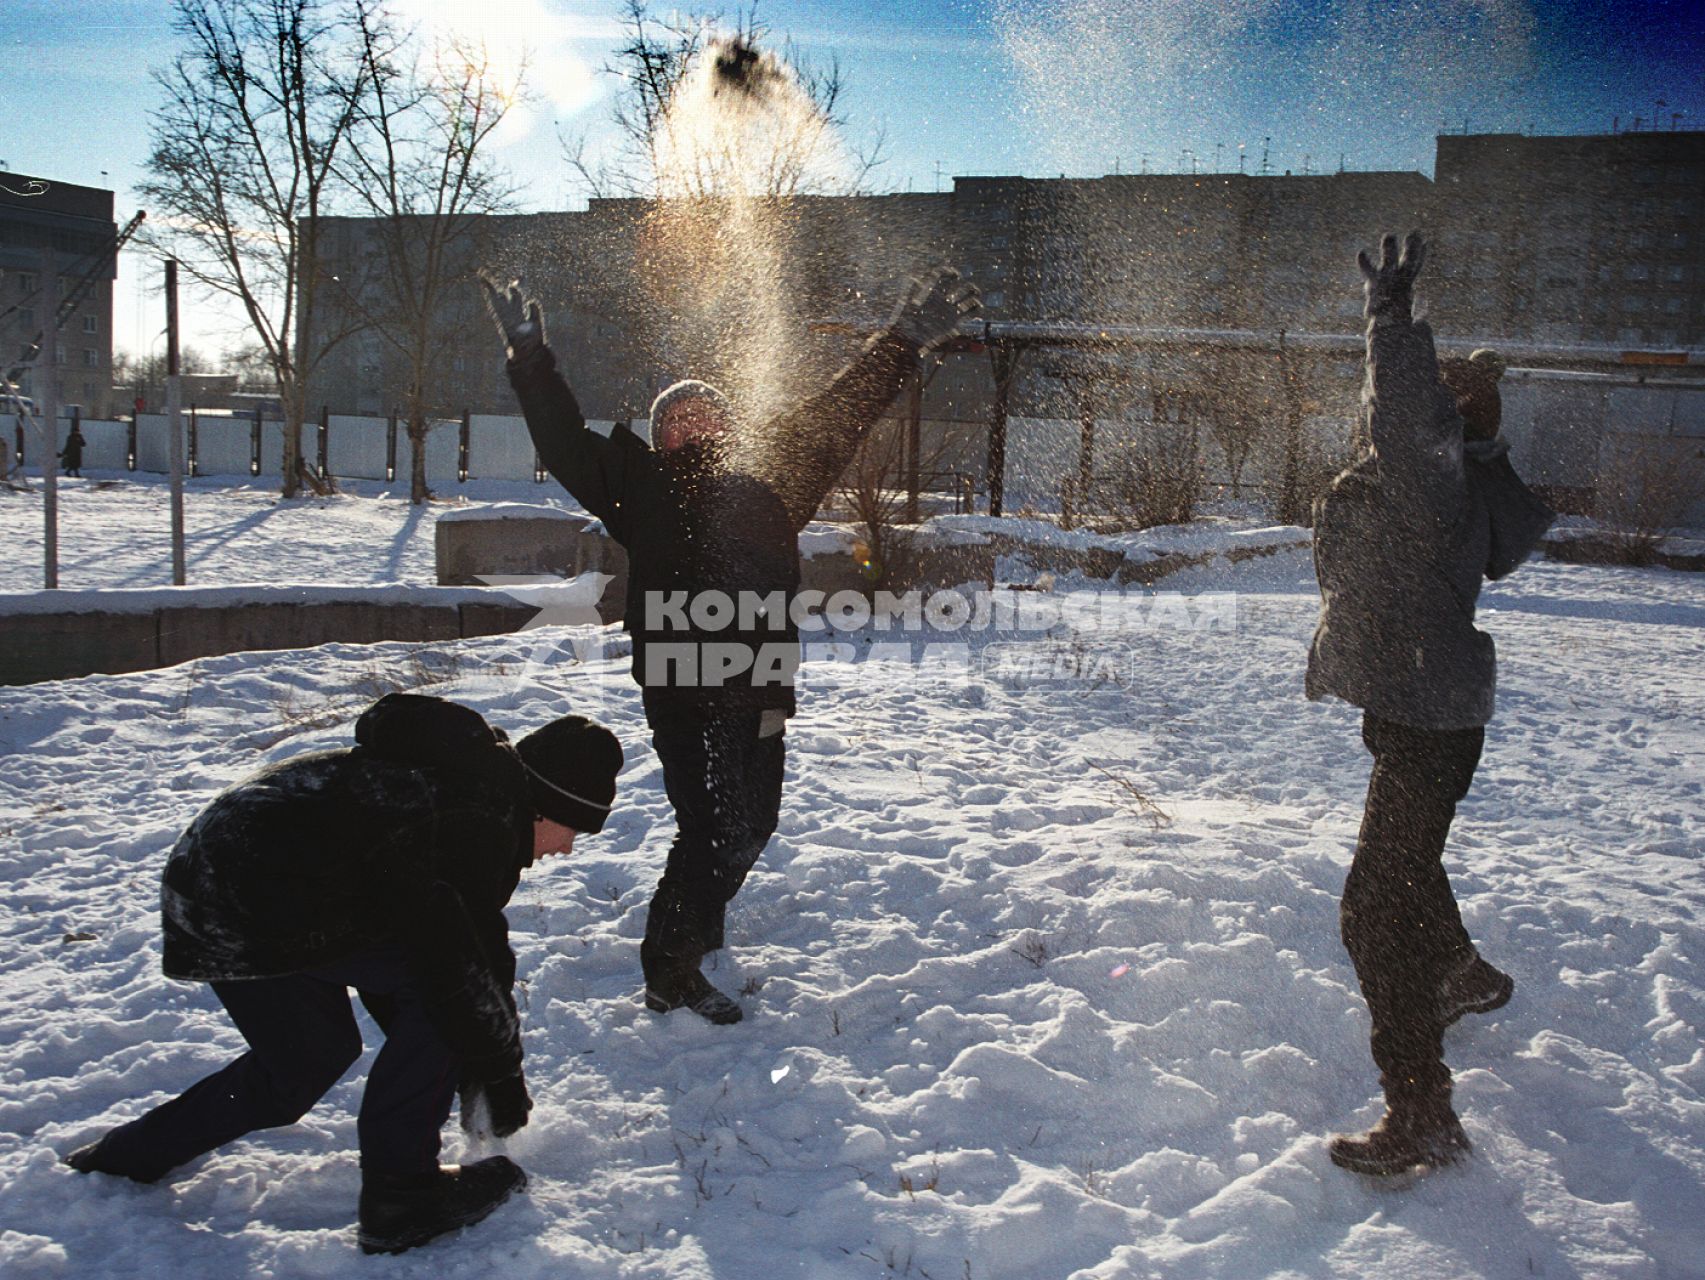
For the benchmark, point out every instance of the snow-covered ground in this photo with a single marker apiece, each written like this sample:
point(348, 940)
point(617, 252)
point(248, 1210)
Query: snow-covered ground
point(115, 530)
point(1003, 1020)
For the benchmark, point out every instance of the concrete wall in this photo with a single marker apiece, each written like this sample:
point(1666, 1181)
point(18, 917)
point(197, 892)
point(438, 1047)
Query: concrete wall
point(355, 447)
point(1575, 432)
point(104, 448)
point(499, 448)
point(63, 646)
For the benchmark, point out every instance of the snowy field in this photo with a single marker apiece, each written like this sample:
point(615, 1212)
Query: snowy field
point(115, 530)
point(1003, 1020)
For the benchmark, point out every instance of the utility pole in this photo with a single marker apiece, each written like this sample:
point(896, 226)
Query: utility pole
point(174, 422)
point(48, 364)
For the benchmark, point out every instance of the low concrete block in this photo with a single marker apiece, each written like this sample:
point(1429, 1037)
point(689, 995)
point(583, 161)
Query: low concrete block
point(468, 550)
point(494, 619)
point(200, 633)
point(61, 646)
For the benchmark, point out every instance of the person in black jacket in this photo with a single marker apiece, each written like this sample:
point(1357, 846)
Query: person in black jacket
point(72, 454)
point(710, 514)
point(384, 867)
point(1402, 541)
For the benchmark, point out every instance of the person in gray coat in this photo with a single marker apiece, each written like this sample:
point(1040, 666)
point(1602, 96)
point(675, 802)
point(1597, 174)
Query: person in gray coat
point(1402, 540)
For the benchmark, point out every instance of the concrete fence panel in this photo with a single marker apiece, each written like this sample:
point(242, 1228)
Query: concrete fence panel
point(355, 447)
point(499, 448)
point(223, 446)
point(105, 444)
point(1554, 427)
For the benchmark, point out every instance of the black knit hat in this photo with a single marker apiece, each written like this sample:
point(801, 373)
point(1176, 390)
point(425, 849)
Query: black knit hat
point(571, 771)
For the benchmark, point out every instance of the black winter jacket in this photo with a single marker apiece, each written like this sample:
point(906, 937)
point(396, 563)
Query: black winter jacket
point(691, 529)
point(415, 837)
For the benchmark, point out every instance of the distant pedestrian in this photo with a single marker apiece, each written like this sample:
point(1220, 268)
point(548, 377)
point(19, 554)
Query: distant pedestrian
point(1401, 543)
point(383, 867)
point(71, 456)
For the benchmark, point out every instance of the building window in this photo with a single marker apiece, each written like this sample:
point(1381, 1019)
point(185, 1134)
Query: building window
point(997, 242)
point(1676, 275)
point(995, 297)
point(1674, 306)
point(1633, 302)
point(27, 318)
point(1637, 271)
point(89, 324)
point(91, 358)
point(1678, 240)
point(459, 364)
point(26, 282)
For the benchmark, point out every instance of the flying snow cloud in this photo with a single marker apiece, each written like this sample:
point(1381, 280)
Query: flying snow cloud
point(1100, 75)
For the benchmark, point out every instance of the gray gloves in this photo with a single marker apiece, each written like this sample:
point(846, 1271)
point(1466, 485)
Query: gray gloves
point(1391, 285)
point(931, 312)
point(518, 318)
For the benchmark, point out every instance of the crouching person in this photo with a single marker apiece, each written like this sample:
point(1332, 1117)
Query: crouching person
point(1402, 542)
point(382, 867)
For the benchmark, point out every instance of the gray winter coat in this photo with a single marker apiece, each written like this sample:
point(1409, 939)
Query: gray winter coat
point(1402, 540)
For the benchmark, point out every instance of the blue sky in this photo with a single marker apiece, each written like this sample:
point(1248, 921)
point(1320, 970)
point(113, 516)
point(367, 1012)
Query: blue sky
point(1035, 87)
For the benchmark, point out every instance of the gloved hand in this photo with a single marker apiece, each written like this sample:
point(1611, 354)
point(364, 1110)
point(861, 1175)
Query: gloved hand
point(930, 313)
point(1391, 285)
point(518, 318)
point(506, 1100)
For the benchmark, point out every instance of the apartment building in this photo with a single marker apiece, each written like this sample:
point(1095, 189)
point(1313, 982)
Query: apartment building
point(1595, 239)
point(75, 225)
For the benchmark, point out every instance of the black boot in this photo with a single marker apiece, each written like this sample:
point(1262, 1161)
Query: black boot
point(1475, 987)
point(401, 1211)
point(1417, 1131)
point(96, 1157)
point(674, 982)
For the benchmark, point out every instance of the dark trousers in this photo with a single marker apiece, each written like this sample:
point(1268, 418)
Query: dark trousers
point(724, 782)
point(1399, 918)
point(302, 1037)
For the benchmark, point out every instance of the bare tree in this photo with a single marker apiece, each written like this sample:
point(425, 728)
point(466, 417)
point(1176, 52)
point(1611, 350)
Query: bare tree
point(415, 160)
point(1647, 489)
point(650, 68)
point(253, 368)
point(256, 110)
point(145, 376)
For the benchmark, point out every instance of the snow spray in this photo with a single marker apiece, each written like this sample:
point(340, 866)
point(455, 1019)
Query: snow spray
point(722, 255)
